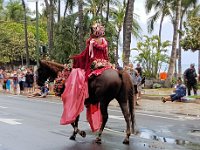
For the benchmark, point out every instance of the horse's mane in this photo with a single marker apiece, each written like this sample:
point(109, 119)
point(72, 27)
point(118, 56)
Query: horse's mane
point(54, 66)
point(48, 69)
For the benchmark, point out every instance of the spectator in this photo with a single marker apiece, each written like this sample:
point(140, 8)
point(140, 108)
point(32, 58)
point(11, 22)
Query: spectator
point(40, 91)
point(133, 73)
point(21, 79)
point(139, 86)
point(139, 69)
point(179, 92)
point(29, 81)
point(15, 83)
point(1, 79)
point(190, 76)
point(8, 83)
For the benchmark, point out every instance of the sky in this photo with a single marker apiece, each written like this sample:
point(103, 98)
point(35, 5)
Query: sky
point(167, 33)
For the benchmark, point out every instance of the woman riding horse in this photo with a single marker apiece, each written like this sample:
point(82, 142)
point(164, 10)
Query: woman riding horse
point(93, 81)
point(96, 51)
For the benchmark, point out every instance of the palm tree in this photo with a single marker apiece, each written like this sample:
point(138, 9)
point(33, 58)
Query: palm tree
point(173, 52)
point(161, 8)
point(69, 5)
point(94, 7)
point(81, 32)
point(117, 15)
point(127, 28)
point(195, 13)
point(26, 34)
point(50, 22)
point(185, 6)
point(14, 11)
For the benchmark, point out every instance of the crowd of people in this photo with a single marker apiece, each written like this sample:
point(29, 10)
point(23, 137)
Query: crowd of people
point(21, 81)
point(17, 81)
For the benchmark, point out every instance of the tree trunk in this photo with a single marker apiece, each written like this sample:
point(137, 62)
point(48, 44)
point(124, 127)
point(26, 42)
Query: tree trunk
point(58, 11)
point(50, 22)
point(108, 10)
point(127, 28)
point(160, 29)
point(199, 63)
point(174, 44)
point(179, 47)
point(117, 49)
point(81, 32)
point(26, 35)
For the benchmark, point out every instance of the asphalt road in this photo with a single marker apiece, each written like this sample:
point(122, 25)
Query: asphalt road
point(33, 124)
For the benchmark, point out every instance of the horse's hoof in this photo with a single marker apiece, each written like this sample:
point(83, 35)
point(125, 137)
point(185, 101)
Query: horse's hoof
point(72, 138)
point(98, 140)
point(83, 134)
point(126, 142)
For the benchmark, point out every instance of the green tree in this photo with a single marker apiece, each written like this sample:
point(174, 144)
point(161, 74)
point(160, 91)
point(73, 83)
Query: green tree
point(117, 16)
point(162, 10)
point(14, 11)
point(12, 41)
point(151, 57)
point(186, 5)
point(191, 41)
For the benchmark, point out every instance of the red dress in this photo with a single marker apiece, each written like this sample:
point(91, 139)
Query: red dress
point(94, 50)
point(75, 91)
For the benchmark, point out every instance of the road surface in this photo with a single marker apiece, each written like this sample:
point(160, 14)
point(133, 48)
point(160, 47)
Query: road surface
point(33, 124)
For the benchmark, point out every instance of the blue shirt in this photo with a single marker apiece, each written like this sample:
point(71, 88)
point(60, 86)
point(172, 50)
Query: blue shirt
point(180, 90)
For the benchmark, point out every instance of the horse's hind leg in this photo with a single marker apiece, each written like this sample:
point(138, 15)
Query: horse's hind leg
point(76, 130)
point(104, 113)
point(124, 108)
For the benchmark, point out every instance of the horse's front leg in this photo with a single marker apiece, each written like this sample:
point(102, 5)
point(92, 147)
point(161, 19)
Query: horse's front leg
point(104, 113)
point(76, 130)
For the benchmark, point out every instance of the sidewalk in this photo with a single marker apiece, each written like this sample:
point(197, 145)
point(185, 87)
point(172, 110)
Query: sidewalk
point(151, 101)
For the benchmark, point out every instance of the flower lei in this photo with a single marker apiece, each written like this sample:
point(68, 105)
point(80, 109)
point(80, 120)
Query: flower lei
point(99, 63)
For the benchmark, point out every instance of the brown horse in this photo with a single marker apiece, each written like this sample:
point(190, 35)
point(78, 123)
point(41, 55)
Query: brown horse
point(104, 88)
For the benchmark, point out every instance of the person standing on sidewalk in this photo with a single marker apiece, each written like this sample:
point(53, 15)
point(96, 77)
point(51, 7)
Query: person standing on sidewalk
point(133, 73)
point(190, 76)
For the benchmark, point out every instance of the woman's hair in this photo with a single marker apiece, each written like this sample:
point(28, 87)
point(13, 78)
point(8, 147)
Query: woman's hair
point(97, 30)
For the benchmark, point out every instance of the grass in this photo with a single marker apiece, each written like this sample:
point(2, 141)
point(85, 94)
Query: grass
point(195, 96)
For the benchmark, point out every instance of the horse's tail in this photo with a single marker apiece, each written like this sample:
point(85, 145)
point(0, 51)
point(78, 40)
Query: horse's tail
point(129, 92)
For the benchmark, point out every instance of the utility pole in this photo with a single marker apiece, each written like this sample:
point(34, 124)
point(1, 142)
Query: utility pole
point(37, 33)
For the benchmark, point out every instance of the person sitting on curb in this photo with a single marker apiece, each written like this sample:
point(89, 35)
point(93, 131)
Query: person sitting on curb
point(40, 91)
point(179, 92)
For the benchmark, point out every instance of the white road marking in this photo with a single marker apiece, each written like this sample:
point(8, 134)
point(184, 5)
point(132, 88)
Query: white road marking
point(120, 118)
point(35, 99)
point(116, 117)
point(3, 107)
point(112, 130)
point(159, 116)
point(10, 121)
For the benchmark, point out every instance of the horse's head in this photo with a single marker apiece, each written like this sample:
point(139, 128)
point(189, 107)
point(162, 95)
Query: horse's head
point(47, 70)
